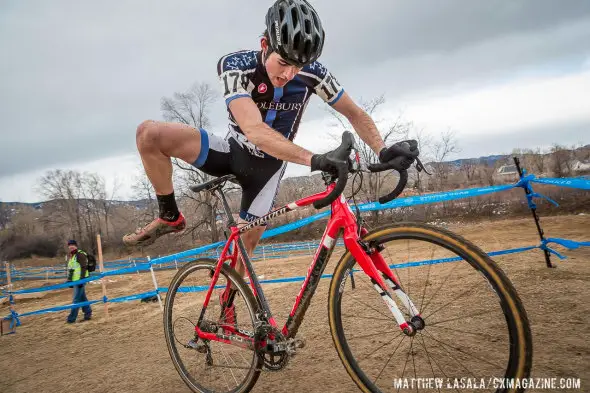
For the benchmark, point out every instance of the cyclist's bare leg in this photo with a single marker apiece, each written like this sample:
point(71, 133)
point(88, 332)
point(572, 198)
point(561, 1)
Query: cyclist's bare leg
point(157, 142)
point(250, 239)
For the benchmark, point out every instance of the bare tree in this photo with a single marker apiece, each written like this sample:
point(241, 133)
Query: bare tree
point(144, 193)
point(191, 107)
point(442, 149)
point(469, 169)
point(538, 160)
point(561, 161)
point(75, 206)
point(4, 215)
point(424, 141)
point(107, 203)
point(400, 129)
point(63, 189)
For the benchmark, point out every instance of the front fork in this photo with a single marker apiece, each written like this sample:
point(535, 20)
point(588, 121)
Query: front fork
point(384, 281)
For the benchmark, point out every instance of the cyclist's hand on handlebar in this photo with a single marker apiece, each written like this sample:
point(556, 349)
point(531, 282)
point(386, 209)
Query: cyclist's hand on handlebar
point(400, 155)
point(329, 162)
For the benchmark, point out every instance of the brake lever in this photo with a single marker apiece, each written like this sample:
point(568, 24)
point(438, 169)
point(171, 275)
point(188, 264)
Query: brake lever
point(420, 167)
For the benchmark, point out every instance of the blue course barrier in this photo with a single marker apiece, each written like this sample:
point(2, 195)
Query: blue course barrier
point(170, 261)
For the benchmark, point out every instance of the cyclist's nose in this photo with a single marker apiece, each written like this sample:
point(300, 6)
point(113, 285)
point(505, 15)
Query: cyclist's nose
point(290, 72)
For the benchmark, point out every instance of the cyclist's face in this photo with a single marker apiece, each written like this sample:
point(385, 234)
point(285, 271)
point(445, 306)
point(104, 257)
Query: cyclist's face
point(279, 71)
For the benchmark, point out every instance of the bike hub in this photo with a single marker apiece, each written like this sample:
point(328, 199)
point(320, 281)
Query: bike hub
point(415, 324)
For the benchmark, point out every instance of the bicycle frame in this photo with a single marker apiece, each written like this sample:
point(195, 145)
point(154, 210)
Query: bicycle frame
point(342, 219)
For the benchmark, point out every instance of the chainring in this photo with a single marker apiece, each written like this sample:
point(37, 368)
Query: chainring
point(275, 361)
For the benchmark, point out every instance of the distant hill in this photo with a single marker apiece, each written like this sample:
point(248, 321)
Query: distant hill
point(299, 181)
point(487, 160)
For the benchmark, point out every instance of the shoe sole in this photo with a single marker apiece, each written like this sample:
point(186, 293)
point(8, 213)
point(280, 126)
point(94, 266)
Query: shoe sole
point(150, 240)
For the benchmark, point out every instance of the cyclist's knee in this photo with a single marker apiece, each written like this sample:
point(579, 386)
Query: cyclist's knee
point(146, 134)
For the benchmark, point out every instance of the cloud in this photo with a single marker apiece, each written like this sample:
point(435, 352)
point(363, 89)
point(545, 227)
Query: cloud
point(77, 78)
point(507, 108)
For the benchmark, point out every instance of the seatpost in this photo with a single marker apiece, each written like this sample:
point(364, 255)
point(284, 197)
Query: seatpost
point(230, 219)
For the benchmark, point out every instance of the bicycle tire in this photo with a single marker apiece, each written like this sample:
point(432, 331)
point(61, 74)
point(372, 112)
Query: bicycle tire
point(243, 290)
point(520, 357)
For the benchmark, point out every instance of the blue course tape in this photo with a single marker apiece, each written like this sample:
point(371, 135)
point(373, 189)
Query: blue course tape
point(400, 202)
point(140, 264)
point(571, 182)
point(59, 308)
point(133, 297)
point(436, 197)
point(202, 288)
point(569, 244)
point(191, 252)
point(56, 286)
point(139, 267)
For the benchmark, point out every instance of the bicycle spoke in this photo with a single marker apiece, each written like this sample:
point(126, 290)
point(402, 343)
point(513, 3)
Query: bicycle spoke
point(457, 318)
point(224, 367)
point(455, 302)
point(387, 343)
point(369, 335)
point(413, 360)
point(390, 317)
point(439, 288)
point(486, 336)
point(452, 301)
point(428, 357)
point(388, 360)
point(434, 359)
point(407, 290)
point(245, 360)
point(407, 357)
point(236, 365)
point(462, 351)
point(450, 355)
point(371, 318)
point(399, 277)
point(426, 282)
point(231, 371)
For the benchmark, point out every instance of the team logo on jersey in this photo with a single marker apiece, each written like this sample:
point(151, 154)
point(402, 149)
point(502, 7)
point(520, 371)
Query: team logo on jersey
point(262, 88)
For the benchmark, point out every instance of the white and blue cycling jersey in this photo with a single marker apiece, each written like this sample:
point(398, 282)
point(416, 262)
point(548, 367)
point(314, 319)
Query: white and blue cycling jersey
point(242, 74)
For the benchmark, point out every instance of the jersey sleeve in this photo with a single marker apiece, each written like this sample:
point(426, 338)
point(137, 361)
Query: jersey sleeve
point(233, 72)
point(325, 85)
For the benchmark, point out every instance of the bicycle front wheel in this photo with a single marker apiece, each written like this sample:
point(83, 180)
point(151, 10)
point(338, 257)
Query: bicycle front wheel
point(208, 366)
point(475, 333)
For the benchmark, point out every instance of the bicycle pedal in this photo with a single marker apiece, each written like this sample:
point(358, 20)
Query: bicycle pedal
point(299, 343)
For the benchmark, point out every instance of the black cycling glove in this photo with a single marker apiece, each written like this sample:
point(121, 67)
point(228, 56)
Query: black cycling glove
point(400, 155)
point(329, 162)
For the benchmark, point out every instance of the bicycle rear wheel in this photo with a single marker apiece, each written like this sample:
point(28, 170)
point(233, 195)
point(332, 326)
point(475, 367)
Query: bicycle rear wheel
point(474, 323)
point(207, 365)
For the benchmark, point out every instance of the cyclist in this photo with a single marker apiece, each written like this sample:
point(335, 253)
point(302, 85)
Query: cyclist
point(266, 92)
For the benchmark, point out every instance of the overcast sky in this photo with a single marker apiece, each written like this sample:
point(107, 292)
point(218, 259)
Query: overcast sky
point(77, 77)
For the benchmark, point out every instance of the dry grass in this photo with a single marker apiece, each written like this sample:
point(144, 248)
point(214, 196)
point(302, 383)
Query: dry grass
point(127, 352)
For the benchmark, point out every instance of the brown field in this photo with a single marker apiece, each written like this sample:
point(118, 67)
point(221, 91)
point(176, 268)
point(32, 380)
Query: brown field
point(127, 351)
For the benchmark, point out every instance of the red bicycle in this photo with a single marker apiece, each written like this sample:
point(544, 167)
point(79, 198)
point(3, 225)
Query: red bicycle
point(390, 294)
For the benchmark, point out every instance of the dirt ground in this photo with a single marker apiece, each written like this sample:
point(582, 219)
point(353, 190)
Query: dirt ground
point(127, 351)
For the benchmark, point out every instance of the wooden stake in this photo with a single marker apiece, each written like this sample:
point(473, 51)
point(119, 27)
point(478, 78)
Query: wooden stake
point(102, 280)
point(11, 300)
